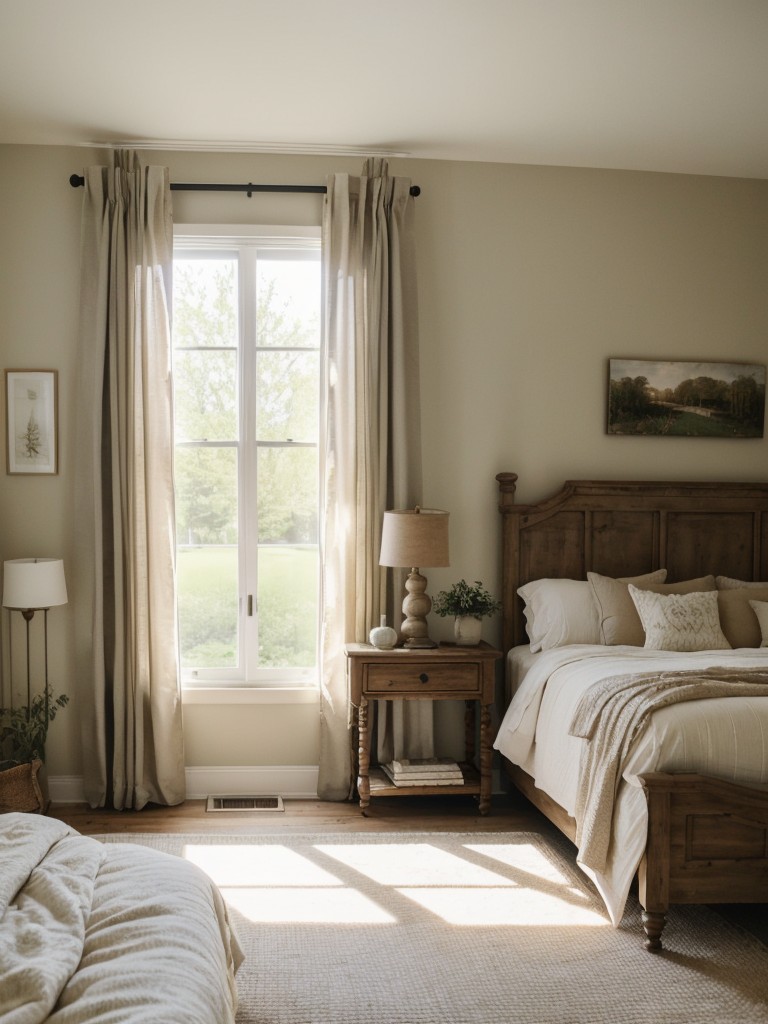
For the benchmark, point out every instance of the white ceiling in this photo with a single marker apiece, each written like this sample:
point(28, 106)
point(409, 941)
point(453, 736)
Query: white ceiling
point(663, 85)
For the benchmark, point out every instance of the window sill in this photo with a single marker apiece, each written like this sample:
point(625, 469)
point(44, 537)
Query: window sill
point(251, 695)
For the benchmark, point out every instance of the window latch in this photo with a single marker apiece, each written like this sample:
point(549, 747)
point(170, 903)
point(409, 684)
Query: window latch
point(250, 605)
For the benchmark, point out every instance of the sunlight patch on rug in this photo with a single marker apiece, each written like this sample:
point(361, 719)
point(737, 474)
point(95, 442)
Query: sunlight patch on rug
point(272, 883)
point(265, 866)
point(484, 908)
point(306, 906)
point(416, 864)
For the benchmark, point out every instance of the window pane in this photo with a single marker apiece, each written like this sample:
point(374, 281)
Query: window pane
point(208, 606)
point(287, 496)
point(206, 495)
point(205, 395)
point(205, 302)
point(288, 303)
point(207, 564)
point(287, 589)
point(287, 396)
point(287, 606)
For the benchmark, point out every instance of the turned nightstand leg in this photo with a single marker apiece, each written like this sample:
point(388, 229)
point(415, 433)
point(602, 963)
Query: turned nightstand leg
point(486, 758)
point(363, 755)
point(470, 708)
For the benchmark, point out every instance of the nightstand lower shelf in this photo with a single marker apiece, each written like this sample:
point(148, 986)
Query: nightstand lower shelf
point(382, 785)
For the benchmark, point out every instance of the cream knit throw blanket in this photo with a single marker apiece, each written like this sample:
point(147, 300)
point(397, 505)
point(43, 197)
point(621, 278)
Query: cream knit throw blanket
point(610, 715)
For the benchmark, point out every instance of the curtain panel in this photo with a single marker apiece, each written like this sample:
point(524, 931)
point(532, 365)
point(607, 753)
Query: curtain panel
point(370, 431)
point(129, 686)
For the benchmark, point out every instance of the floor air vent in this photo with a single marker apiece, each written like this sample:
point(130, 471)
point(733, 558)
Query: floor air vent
point(244, 803)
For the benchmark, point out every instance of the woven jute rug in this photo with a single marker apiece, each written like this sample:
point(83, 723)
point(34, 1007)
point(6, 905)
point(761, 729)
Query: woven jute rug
point(436, 928)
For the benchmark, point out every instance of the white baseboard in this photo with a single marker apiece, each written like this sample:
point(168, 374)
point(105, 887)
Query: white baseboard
point(298, 782)
point(289, 781)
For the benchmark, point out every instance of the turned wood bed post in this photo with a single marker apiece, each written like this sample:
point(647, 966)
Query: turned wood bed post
point(510, 541)
point(654, 869)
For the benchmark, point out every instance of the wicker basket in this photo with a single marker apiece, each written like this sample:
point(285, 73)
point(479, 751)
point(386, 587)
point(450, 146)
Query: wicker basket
point(20, 789)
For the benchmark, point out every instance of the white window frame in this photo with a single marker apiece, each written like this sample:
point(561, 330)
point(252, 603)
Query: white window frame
point(247, 241)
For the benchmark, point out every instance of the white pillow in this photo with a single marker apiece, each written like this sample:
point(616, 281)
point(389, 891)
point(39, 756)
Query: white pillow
point(559, 612)
point(760, 608)
point(680, 622)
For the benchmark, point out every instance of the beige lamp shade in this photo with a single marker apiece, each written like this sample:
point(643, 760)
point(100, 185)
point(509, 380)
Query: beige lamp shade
point(415, 538)
point(34, 583)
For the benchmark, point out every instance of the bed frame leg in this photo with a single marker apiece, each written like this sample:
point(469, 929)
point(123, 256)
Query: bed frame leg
point(653, 926)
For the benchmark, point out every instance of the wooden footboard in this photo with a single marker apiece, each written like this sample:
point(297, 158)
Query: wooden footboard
point(707, 843)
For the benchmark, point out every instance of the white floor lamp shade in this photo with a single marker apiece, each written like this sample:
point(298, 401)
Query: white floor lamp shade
point(31, 585)
point(34, 583)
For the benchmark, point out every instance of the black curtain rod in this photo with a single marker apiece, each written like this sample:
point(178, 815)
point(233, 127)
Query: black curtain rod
point(77, 181)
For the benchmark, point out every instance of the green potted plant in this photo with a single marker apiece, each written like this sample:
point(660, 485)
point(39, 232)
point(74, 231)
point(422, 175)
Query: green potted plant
point(23, 732)
point(469, 604)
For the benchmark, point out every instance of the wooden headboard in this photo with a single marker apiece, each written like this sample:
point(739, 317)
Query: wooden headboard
point(624, 528)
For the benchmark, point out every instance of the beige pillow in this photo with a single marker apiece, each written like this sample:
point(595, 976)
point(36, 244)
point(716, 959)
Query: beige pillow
point(760, 608)
point(619, 621)
point(729, 583)
point(738, 621)
point(679, 622)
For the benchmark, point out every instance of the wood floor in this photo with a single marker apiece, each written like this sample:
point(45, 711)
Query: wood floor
point(386, 814)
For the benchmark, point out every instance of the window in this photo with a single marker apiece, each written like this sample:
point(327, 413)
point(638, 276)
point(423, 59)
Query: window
point(246, 351)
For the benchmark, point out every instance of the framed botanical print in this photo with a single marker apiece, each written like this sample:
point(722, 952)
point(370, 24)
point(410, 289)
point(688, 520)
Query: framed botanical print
point(31, 398)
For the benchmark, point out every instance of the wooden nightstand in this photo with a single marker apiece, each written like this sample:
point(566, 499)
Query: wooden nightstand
point(446, 672)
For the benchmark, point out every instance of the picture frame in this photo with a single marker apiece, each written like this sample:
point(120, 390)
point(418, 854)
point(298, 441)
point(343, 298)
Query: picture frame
point(31, 401)
point(685, 398)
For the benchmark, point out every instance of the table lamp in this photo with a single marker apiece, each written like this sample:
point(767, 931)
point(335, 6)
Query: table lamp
point(413, 538)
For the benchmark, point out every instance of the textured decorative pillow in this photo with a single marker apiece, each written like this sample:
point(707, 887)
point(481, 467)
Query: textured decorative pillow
point(559, 612)
point(737, 620)
point(679, 622)
point(760, 608)
point(619, 621)
point(729, 583)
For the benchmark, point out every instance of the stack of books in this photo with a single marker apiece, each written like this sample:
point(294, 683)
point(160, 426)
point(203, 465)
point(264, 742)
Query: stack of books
point(424, 771)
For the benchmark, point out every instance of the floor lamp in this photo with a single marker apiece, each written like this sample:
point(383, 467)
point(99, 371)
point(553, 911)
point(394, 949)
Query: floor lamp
point(32, 585)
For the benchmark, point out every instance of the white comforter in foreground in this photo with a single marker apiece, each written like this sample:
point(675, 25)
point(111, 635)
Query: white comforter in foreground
point(723, 737)
point(92, 933)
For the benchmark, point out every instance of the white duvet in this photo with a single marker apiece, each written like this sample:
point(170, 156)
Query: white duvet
point(723, 737)
point(98, 934)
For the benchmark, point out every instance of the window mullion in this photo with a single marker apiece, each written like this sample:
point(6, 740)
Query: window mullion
point(249, 483)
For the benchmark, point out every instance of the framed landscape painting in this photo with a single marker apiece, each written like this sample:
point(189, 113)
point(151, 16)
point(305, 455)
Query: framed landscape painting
point(31, 405)
point(665, 398)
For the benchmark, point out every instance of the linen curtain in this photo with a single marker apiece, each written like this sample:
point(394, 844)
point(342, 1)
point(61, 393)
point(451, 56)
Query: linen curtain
point(370, 439)
point(129, 687)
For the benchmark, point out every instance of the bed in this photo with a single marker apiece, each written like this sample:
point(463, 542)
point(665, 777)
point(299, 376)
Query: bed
point(680, 801)
point(95, 933)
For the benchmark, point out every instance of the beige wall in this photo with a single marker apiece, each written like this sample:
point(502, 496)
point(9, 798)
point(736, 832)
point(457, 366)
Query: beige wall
point(530, 279)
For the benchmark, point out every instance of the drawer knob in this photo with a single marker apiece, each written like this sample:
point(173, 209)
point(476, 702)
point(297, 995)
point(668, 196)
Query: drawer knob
point(424, 678)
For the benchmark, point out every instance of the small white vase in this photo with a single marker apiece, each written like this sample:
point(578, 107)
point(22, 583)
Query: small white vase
point(383, 637)
point(467, 630)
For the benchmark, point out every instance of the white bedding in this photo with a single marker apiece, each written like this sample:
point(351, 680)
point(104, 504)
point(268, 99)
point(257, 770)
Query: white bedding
point(94, 933)
point(723, 737)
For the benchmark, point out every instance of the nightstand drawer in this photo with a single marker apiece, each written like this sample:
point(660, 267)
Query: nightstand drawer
point(423, 678)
